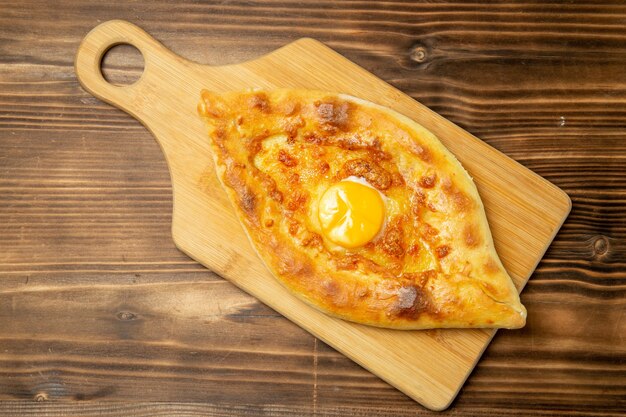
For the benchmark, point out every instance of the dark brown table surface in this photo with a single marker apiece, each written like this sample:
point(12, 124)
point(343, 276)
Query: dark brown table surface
point(94, 296)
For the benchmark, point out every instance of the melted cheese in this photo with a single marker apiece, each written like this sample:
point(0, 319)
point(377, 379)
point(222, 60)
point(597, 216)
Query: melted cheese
point(358, 210)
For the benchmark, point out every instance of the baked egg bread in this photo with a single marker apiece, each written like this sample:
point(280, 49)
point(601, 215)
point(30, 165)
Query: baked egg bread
point(358, 210)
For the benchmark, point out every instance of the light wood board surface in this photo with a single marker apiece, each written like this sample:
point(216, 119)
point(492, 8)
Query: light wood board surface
point(524, 210)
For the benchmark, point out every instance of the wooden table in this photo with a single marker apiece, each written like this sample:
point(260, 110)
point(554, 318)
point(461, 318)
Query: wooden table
point(96, 302)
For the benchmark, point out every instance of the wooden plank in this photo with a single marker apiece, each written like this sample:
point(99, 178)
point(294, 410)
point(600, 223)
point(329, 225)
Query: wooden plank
point(525, 211)
point(506, 72)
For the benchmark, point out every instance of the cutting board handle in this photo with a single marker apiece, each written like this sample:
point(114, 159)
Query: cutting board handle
point(102, 38)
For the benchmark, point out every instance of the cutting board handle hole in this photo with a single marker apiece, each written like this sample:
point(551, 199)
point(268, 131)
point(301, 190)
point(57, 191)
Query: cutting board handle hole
point(122, 64)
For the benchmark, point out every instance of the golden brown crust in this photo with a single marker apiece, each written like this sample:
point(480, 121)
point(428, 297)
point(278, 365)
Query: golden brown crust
point(433, 265)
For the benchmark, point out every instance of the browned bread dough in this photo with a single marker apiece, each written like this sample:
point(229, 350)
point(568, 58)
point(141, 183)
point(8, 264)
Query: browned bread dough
point(433, 265)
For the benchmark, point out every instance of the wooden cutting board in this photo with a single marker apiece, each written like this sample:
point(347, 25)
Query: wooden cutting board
point(524, 210)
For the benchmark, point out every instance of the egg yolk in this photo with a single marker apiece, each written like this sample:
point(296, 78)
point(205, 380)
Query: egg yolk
point(351, 214)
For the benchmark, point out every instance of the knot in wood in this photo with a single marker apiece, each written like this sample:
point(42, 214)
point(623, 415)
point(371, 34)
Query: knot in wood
point(601, 246)
point(126, 316)
point(418, 53)
point(41, 396)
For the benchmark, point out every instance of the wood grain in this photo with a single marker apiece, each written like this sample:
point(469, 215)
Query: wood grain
point(524, 210)
point(76, 215)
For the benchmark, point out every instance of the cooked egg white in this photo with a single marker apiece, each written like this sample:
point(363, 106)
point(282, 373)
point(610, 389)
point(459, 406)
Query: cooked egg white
point(348, 214)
